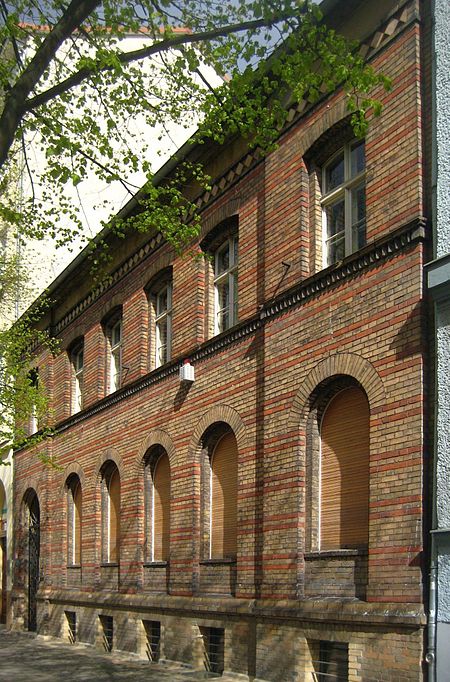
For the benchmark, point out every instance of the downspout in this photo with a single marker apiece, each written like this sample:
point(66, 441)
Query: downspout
point(432, 594)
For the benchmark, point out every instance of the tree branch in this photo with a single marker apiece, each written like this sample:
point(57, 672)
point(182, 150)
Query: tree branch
point(16, 98)
point(163, 46)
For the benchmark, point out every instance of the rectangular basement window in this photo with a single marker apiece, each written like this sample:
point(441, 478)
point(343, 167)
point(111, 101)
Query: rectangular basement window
point(332, 665)
point(71, 618)
point(153, 635)
point(213, 639)
point(107, 625)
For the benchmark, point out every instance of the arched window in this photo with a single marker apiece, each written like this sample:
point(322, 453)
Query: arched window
point(77, 362)
point(226, 284)
point(74, 520)
point(110, 513)
point(113, 330)
point(157, 491)
point(344, 471)
point(223, 491)
point(344, 202)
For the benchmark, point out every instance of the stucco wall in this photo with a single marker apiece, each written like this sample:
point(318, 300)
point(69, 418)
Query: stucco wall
point(442, 33)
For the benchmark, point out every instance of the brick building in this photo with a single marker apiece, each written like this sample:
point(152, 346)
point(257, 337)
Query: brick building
point(267, 517)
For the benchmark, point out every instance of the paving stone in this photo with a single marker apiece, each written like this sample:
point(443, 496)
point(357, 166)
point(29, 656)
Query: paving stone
point(24, 657)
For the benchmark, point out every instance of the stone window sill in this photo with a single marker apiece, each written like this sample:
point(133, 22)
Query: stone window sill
point(217, 562)
point(156, 564)
point(335, 554)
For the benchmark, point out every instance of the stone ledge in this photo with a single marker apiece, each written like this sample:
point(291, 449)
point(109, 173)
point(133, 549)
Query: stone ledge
point(331, 610)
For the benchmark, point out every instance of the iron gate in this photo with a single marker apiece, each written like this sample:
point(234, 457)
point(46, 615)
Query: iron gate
point(33, 564)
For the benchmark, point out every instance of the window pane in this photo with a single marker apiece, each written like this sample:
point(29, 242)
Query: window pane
point(334, 173)
point(335, 217)
point(235, 297)
point(161, 341)
point(116, 334)
point(335, 249)
point(357, 158)
point(162, 301)
point(223, 303)
point(235, 250)
point(223, 320)
point(223, 259)
point(358, 198)
point(115, 370)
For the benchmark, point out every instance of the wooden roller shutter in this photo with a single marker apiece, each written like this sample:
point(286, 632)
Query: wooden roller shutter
point(224, 498)
point(114, 516)
point(77, 512)
point(161, 509)
point(344, 509)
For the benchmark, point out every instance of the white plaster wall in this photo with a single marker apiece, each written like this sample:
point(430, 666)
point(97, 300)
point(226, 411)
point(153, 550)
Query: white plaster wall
point(6, 477)
point(442, 42)
point(443, 414)
point(97, 200)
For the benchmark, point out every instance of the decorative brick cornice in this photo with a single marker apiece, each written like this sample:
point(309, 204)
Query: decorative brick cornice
point(372, 254)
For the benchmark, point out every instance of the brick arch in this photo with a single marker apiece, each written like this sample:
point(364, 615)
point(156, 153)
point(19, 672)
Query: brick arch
point(73, 468)
point(114, 456)
point(349, 364)
point(116, 301)
point(76, 332)
point(221, 213)
point(31, 484)
point(219, 413)
point(335, 112)
point(155, 437)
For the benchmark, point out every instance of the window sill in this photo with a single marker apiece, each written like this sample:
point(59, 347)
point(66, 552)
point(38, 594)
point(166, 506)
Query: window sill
point(109, 564)
point(217, 562)
point(156, 564)
point(73, 567)
point(335, 554)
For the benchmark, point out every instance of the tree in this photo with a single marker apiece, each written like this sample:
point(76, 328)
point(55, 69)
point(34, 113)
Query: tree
point(51, 74)
point(70, 88)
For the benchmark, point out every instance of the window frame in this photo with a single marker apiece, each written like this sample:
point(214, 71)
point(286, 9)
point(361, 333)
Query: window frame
point(163, 317)
point(335, 398)
point(77, 378)
point(229, 533)
point(345, 192)
point(153, 459)
point(115, 355)
point(74, 530)
point(229, 276)
point(108, 556)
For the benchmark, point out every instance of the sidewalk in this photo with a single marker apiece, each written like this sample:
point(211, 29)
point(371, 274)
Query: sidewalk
point(27, 658)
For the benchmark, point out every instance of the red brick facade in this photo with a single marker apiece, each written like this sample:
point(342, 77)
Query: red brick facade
point(304, 332)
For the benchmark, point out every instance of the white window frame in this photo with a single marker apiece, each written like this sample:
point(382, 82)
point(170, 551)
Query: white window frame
point(115, 357)
point(163, 317)
point(343, 192)
point(229, 277)
point(33, 423)
point(77, 387)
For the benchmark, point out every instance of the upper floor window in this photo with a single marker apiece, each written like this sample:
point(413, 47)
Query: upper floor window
point(163, 324)
point(344, 202)
point(33, 423)
point(115, 355)
point(226, 285)
point(77, 356)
